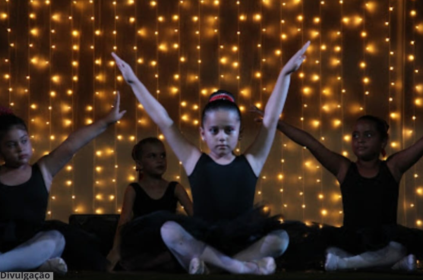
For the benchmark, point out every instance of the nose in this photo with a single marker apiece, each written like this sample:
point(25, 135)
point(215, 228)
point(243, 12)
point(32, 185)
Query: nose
point(221, 136)
point(19, 147)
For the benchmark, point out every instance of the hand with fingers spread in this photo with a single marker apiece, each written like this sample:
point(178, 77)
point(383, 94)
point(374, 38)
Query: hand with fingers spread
point(114, 114)
point(126, 70)
point(296, 60)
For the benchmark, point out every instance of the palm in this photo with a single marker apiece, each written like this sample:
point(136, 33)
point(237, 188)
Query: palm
point(126, 70)
point(296, 60)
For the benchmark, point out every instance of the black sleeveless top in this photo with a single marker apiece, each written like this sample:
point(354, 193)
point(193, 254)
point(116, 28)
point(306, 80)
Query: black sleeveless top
point(144, 204)
point(26, 202)
point(369, 201)
point(222, 192)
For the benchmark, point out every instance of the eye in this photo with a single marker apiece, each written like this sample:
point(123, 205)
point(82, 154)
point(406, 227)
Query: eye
point(214, 130)
point(355, 135)
point(163, 156)
point(369, 135)
point(11, 144)
point(24, 141)
point(229, 130)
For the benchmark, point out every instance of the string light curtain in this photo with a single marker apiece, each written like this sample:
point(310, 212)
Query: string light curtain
point(364, 58)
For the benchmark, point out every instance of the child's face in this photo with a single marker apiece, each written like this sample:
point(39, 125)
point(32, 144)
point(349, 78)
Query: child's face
point(15, 147)
point(367, 143)
point(221, 131)
point(153, 159)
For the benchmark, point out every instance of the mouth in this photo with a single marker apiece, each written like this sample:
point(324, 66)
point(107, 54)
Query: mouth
point(24, 156)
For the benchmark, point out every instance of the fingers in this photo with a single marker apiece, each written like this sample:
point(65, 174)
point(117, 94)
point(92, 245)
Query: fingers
point(117, 100)
point(300, 53)
point(255, 109)
point(116, 57)
point(304, 48)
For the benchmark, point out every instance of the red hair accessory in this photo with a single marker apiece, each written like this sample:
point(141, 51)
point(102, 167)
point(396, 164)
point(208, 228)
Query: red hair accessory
point(5, 111)
point(222, 96)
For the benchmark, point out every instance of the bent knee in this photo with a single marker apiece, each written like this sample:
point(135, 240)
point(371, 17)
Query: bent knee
point(54, 240)
point(280, 241)
point(171, 232)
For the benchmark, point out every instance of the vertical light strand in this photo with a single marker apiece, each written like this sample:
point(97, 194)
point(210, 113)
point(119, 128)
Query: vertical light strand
point(52, 197)
point(97, 32)
point(199, 71)
point(319, 181)
point(157, 67)
point(411, 58)
point(178, 81)
point(260, 105)
point(302, 193)
point(391, 68)
point(282, 145)
point(115, 127)
point(341, 90)
point(365, 80)
point(236, 65)
point(136, 103)
point(93, 110)
point(220, 49)
point(8, 59)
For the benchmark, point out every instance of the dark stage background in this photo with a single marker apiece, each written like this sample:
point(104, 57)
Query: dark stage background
point(365, 58)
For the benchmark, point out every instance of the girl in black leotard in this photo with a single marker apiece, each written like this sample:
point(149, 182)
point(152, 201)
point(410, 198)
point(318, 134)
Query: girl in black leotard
point(220, 196)
point(25, 241)
point(370, 236)
point(133, 246)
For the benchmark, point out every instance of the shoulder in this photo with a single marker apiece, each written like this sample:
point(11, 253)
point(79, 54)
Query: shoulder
point(132, 188)
point(178, 188)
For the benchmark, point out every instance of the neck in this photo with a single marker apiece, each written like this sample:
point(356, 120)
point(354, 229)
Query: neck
point(7, 167)
point(147, 179)
point(222, 158)
point(368, 163)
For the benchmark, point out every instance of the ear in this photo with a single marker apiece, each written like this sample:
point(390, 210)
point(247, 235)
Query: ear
point(138, 165)
point(202, 133)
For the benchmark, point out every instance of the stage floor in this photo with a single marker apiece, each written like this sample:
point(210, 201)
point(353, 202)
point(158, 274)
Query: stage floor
point(91, 275)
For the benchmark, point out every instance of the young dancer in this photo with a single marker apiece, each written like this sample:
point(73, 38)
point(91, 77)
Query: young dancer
point(151, 193)
point(370, 236)
point(223, 184)
point(25, 244)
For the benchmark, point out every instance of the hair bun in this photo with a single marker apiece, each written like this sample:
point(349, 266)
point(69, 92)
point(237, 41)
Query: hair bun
point(5, 111)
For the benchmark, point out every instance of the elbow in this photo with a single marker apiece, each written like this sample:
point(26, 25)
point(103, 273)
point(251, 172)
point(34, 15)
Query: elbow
point(270, 121)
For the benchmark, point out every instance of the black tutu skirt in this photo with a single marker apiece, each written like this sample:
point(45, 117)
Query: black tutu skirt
point(357, 241)
point(82, 250)
point(141, 239)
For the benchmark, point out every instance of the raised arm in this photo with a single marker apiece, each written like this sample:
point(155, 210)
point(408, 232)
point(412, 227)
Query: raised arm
point(400, 162)
point(335, 163)
point(57, 159)
point(186, 152)
point(257, 153)
point(125, 216)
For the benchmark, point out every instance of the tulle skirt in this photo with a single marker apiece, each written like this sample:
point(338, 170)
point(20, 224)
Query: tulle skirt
point(142, 246)
point(308, 244)
point(357, 241)
point(82, 249)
